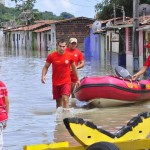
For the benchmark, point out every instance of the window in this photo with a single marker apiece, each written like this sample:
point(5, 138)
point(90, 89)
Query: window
point(107, 43)
point(53, 37)
point(28, 35)
point(49, 37)
point(13, 37)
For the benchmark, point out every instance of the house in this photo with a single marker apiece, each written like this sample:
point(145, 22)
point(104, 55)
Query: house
point(105, 43)
point(23, 37)
point(43, 38)
point(73, 27)
point(44, 34)
point(144, 37)
point(111, 43)
point(1, 35)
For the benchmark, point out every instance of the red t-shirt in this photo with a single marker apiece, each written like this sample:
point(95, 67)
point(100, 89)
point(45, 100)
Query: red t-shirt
point(78, 57)
point(60, 67)
point(147, 63)
point(77, 54)
point(3, 94)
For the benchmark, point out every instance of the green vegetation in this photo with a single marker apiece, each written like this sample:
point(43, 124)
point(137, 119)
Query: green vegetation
point(105, 8)
point(16, 14)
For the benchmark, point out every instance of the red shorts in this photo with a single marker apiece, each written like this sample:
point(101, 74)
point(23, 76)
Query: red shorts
point(60, 90)
point(73, 78)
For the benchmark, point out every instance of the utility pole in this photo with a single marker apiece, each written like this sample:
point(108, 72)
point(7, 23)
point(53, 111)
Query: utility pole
point(135, 37)
point(114, 10)
point(123, 12)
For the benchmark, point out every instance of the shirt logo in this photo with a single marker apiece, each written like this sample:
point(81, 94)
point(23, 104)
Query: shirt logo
point(66, 61)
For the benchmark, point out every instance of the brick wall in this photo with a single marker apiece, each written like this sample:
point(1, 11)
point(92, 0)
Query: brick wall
point(73, 28)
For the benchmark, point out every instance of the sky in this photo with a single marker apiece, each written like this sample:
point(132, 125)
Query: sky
point(78, 8)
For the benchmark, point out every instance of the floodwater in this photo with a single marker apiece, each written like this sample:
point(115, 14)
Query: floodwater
point(33, 117)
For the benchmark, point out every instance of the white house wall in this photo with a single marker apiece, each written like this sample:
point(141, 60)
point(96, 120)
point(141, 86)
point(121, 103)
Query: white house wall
point(53, 36)
point(38, 41)
point(1, 36)
point(48, 42)
point(129, 54)
point(115, 44)
point(141, 49)
point(21, 39)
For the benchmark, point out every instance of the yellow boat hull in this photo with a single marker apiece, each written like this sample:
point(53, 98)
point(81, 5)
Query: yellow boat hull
point(56, 146)
point(86, 133)
point(133, 136)
point(125, 145)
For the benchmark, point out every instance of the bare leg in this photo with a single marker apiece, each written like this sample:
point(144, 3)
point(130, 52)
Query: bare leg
point(59, 102)
point(65, 101)
point(72, 88)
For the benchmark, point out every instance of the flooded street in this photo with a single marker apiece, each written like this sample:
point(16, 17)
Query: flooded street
point(33, 117)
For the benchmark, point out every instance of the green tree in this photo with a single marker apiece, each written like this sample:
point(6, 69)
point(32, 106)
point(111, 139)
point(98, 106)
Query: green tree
point(17, 14)
point(65, 15)
point(105, 8)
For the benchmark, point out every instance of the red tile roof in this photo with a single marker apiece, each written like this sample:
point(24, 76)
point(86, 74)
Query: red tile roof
point(30, 27)
point(43, 29)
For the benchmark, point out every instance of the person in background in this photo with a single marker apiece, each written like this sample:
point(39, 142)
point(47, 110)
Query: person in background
point(146, 65)
point(61, 62)
point(78, 58)
point(4, 109)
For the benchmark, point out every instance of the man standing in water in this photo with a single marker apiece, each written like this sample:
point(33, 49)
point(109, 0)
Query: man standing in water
point(4, 108)
point(78, 58)
point(146, 65)
point(61, 62)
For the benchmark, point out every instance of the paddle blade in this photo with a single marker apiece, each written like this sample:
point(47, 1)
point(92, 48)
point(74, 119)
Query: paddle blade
point(122, 72)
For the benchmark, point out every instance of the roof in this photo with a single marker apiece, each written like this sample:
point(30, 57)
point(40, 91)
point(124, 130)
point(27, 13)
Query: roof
point(45, 21)
point(41, 23)
point(42, 29)
point(142, 20)
point(29, 28)
point(72, 19)
point(60, 21)
point(145, 27)
point(144, 23)
point(118, 20)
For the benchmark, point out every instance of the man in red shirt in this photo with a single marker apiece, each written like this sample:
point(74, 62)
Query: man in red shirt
point(61, 62)
point(4, 108)
point(146, 65)
point(78, 58)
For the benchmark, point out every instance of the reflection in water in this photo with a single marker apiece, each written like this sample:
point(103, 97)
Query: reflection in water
point(33, 117)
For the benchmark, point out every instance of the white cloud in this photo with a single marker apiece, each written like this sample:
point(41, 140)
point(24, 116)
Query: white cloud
point(58, 6)
point(74, 7)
